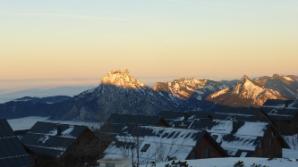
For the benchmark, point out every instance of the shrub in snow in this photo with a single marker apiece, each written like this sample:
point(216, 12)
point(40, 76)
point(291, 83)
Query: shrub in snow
point(239, 164)
point(177, 164)
point(258, 165)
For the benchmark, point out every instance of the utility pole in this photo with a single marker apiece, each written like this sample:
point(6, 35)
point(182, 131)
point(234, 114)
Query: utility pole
point(138, 146)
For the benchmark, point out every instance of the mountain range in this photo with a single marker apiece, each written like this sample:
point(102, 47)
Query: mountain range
point(120, 92)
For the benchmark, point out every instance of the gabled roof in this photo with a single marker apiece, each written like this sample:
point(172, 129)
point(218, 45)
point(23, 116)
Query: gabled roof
point(179, 119)
point(52, 139)
point(155, 143)
point(236, 137)
point(277, 103)
point(116, 122)
point(294, 104)
point(12, 152)
point(281, 105)
point(282, 114)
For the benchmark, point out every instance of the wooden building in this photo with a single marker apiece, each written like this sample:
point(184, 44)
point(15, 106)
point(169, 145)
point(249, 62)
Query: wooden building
point(240, 134)
point(116, 122)
point(146, 145)
point(284, 116)
point(61, 145)
point(12, 152)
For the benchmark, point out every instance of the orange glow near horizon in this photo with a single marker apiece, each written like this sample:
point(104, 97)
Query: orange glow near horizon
point(153, 39)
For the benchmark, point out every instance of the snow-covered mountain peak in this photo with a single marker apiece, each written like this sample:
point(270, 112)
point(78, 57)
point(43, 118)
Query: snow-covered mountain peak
point(121, 78)
point(219, 93)
point(287, 78)
point(245, 77)
point(246, 92)
point(247, 87)
point(185, 88)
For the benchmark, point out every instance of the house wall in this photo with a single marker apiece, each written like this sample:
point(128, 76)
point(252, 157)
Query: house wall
point(85, 149)
point(271, 145)
point(287, 127)
point(205, 149)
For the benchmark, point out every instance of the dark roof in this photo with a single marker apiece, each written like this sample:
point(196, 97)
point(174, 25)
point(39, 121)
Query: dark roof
point(295, 104)
point(282, 114)
point(277, 102)
point(12, 152)
point(183, 119)
point(116, 122)
point(133, 119)
point(52, 139)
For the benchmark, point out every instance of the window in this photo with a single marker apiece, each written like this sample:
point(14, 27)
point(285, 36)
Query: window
point(145, 147)
point(110, 165)
point(206, 153)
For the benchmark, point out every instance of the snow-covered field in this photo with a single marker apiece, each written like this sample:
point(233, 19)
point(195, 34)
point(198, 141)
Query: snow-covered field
point(27, 122)
point(247, 162)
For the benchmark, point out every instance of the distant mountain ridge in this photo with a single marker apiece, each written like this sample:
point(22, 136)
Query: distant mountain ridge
point(9, 95)
point(120, 92)
point(246, 93)
point(285, 85)
point(192, 88)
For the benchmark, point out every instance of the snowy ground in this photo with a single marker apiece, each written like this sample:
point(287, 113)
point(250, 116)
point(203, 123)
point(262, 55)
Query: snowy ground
point(248, 162)
point(27, 122)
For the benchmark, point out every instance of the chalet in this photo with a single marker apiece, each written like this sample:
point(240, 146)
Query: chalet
point(54, 144)
point(12, 152)
point(116, 122)
point(240, 134)
point(243, 138)
point(147, 145)
point(284, 116)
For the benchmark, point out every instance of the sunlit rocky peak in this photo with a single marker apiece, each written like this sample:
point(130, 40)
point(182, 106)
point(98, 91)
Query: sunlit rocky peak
point(246, 92)
point(121, 78)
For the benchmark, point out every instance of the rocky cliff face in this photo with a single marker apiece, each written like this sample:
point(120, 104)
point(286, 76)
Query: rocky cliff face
point(123, 79)
point(190, 88)
point(246, 93)
point(119, 92)
point(287, 86)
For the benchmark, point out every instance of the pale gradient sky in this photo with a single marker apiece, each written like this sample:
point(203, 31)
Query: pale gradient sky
point(67, 41)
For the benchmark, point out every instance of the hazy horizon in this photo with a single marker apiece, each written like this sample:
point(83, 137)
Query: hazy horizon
point(56, 43)
point(27, 84)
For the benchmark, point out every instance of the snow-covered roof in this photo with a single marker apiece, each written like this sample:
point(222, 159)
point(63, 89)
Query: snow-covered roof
point(238, 133)
point(155, 143)
point(185, 119)
point(52, 139)
point(290, 153)
point(236, 137)
point(229, 162)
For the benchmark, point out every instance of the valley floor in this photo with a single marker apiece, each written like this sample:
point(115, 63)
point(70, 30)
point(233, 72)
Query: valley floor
point(25, 123)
